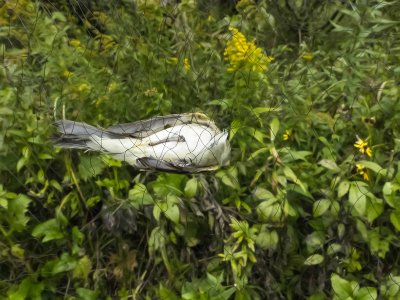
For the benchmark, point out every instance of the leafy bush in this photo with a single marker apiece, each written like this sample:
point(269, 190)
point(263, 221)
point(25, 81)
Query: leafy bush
point(309, 207)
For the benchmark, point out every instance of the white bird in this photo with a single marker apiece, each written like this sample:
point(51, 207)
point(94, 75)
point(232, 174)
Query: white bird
point(182, 143)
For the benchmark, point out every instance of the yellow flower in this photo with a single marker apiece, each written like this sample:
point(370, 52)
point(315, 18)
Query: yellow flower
point(242, 54)
point(113, 86)
point(75, 43)
point(83, 87)
point(286, 135)
point(186, 64)
point(363, 147)
point(362, 171)
point(68, 74)
point(308, 56)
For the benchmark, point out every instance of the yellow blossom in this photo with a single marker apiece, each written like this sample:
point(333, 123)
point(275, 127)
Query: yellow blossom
point(308, 56)
point(242, 54)
point(286, 135)
point(186, 64)
point(362, 171)
point(68, 74)
point(112, 86)
point(363, 147)
point(75, 43)
point(83, 87)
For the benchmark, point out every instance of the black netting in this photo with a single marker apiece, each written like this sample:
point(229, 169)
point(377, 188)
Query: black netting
point(215, 149)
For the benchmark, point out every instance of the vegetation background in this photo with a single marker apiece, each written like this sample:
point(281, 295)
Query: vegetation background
point(308, 209)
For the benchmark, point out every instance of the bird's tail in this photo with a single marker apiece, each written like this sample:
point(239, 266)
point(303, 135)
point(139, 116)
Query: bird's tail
point(77, 135)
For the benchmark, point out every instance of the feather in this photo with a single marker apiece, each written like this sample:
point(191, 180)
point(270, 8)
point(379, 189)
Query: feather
point(184, 143)
point(145, 128)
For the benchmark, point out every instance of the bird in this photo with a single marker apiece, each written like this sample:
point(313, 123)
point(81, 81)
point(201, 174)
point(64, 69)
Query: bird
point(176, 143)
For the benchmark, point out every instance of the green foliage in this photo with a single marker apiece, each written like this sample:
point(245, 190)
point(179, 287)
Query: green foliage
point(310, 205)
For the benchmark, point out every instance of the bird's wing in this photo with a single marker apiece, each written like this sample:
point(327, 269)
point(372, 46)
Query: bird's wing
point(145, 128)
point(151, 163)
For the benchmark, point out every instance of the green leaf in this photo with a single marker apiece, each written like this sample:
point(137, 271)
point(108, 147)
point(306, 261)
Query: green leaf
point(87, 294)
point(374, 208)
point(191, 187)
point(229, 177)
point(258, 152)
point(17, 251)
point(27, 289)
point(263, 194)
point(6, 111)
point(288, 155)
point(366, 293)
point(320, 207)
point(92, 201)
point(357, 200)
point(257, 134)
point(49, 230)
point(377, 243)
point(315, 241)
point(341, 287)
point(289, 173)
point(139, 196)
point(169, 184)
point(391, 288)
point(235, 125)
point(157, 211)
point(260, 110)
point(267, 240)
point(395, 219)
point(172, 213)
point(45, 156)
point(64, 263)
point(314, 259)
point(167, 294)
point(341, 230)
point(90, 166)
point(343, 188)
point(391, 194)
point(56, 185)
point(330, 165)
point(3, 203)
point(82, 268)
point(21, 163)
point(157, 239)
point(362, 229)
point(111, 162)
point(374, 167)
point(268, 211)
point(17, 208)
point(274, 128)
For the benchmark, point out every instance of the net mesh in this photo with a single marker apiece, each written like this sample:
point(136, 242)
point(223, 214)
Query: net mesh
point(307, 91)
